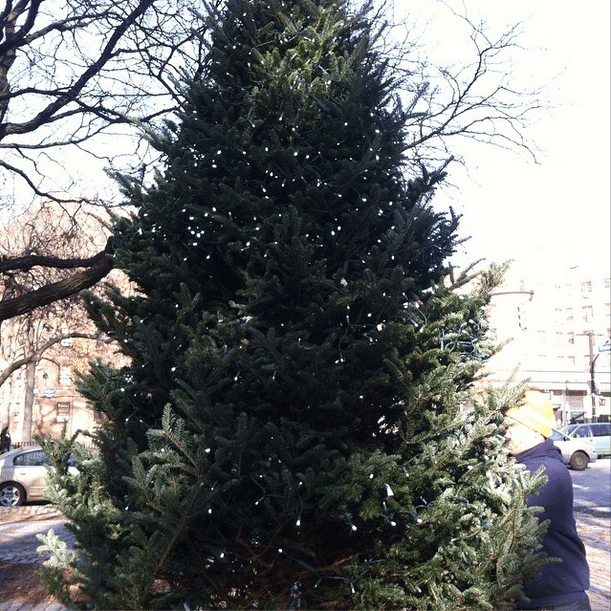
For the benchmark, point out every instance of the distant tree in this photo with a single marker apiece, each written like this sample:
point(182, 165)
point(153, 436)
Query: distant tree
point(41, 333)
point(40, 250)
point(74, 77)
point(30, 297)
point(295, 427)
point(26, 342)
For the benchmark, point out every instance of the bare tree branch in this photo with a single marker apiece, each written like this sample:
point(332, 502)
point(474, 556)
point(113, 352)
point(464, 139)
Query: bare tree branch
point(44, 116)
point(35, 356)
point(70, 71)
point(100, 266)
point(28, 261)
point(74, 72)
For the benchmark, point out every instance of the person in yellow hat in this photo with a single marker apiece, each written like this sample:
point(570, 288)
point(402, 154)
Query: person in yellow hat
point(561, 586)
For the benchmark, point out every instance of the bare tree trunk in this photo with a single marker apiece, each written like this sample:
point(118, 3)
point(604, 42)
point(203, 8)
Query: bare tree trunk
point(28, 401)
point(5, 410)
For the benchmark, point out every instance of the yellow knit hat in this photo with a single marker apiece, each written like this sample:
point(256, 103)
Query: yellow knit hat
point(534, 411)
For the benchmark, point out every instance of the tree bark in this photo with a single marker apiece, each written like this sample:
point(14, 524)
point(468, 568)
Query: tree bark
point(28, 401)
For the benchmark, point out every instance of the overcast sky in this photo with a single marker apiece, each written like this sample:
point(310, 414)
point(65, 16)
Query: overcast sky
point(554, 214)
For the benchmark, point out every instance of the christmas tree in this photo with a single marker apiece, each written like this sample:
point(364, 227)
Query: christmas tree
point(295, 428)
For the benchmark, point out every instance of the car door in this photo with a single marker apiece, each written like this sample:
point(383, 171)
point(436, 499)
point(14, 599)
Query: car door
point(30, 470)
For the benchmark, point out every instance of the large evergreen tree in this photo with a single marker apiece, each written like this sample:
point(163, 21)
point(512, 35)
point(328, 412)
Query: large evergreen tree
point(293, 428)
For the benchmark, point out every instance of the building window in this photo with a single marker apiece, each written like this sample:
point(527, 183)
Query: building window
point(571, 338)
point(588, 313)
point(586, 288)
point(607, 283)
point(63, 411)
point(569, 314)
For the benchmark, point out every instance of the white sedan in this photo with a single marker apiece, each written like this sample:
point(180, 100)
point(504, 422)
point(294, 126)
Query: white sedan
point(23, 475)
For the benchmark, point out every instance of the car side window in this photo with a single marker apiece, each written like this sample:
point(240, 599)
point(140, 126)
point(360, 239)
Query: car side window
point(602, 429)
point(36, 458)
point(582, 431)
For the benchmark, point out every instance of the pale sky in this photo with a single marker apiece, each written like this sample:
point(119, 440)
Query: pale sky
point(555, 214)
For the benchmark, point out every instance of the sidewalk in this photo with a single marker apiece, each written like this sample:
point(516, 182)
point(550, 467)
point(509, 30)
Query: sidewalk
point(19, 544)
point(595, 531)
point(27, 607)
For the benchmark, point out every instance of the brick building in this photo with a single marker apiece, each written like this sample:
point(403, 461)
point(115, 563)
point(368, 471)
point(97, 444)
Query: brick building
point(49, 345)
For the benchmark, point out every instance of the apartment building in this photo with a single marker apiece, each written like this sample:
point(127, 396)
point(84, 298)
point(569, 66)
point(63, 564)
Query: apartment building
point(556, 329)
point(44, 349)
point(42, 398)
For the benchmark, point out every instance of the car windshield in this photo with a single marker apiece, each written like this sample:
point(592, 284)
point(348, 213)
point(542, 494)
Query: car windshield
point(556, 435)
point(567, 430)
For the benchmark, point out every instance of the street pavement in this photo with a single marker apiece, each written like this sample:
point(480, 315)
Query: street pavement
point(18, 541)
point(592, 504)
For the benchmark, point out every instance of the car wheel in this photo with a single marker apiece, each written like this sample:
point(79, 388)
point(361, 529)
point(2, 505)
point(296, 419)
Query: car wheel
point(579, 461)
point(11, 495)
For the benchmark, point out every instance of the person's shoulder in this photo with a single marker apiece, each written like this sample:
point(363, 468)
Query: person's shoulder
point(558, 476)
point(548, 456)
point(555, 464)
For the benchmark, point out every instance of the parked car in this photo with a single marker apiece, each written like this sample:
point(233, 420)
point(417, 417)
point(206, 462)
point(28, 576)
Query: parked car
point(23, 475)
point(577, 453)
point(597, 434)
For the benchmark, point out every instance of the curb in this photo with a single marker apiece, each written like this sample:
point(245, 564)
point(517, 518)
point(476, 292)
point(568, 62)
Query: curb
point(31, 510)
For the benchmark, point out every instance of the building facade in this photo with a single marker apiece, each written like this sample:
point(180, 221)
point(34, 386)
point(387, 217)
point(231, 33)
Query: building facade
point(42, 398)
point(556, 333)
point(42, 351)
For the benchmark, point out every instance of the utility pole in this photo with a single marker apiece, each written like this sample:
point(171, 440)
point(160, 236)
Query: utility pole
point(592, 380)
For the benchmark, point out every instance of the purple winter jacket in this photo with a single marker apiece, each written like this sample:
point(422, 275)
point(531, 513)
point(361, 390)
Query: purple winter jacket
point(565, 582)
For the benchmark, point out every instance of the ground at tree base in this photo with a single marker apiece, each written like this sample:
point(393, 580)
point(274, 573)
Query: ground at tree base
point(19, 583)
